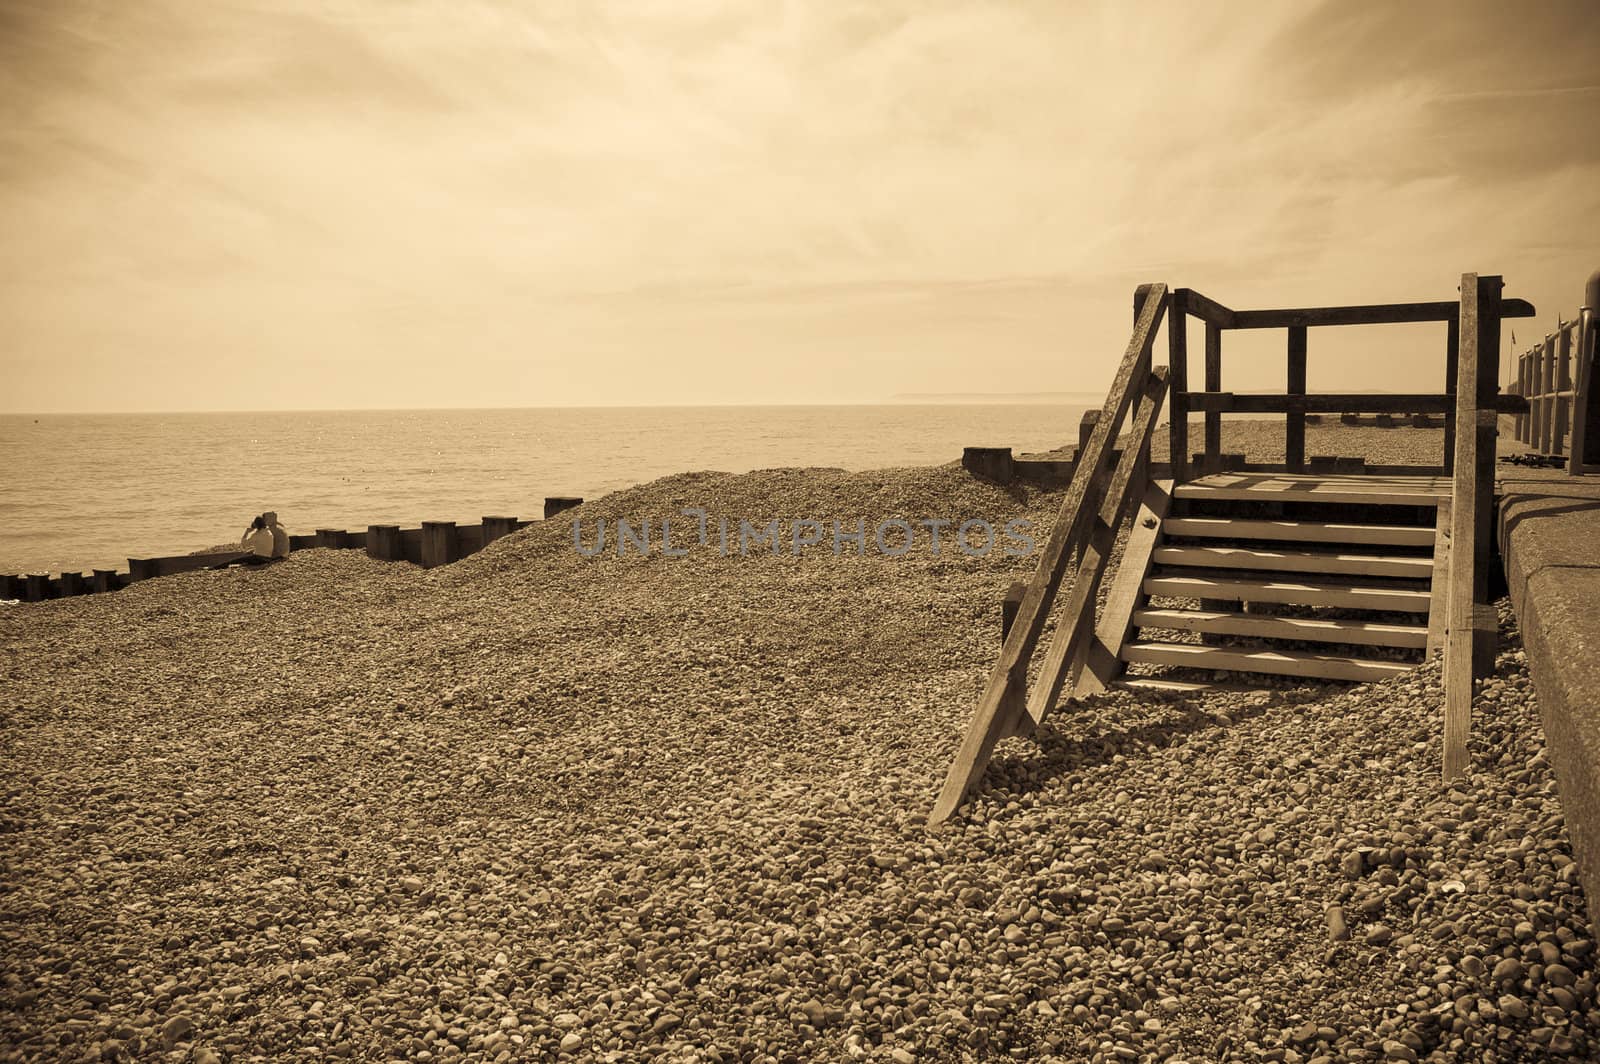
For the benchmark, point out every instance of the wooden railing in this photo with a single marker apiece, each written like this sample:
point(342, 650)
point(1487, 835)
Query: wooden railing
point(1085, 529)
point(1294, 403)
point(1556, 378)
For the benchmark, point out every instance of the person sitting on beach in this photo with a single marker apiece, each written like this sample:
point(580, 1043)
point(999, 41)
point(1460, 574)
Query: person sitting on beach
point(280, 535)
point(258, 541)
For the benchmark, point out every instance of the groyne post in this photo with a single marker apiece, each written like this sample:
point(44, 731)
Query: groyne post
point(37, 587)
point(71, 584)
point(439, 543)
point(103, 580)
point(497, 527)
point(990, 463)
point(142, 569)
point(383, 543)
point(555, 504)
point(9, 587)
point(330, 537)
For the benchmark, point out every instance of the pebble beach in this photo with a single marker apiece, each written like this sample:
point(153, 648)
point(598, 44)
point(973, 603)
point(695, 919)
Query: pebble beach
point(542, 806)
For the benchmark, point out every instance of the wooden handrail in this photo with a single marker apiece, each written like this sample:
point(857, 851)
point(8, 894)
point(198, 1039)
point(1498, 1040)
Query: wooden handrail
point(1370, 314)
point(993, 717)
point(1335, 403)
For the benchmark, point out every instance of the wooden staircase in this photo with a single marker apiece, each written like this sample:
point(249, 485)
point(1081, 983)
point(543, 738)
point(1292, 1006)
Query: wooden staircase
point(1309, 577)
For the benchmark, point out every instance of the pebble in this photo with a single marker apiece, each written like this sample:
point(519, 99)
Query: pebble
point(662, 817)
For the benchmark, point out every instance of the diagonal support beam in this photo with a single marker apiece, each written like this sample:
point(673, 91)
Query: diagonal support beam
point(988, 723)
point(1065, 656)
point(1103, 663)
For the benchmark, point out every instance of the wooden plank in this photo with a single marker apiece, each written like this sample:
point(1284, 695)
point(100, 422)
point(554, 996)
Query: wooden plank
point(1265, 626)
point(188, 563)
point(1300, 531)
point(1157, 683)
point(1178, 366)
point(1101, 661)
point(1301, 663)
point(1074, 628)
point(1321, 593)
point(1206, 309)
point(1370, 314)
point(1332, 492)
point(1439, 587)
point(1295, 561)
point(1318, 403)
point(1077, 510)
point(1213, 430)
point(1294, 438)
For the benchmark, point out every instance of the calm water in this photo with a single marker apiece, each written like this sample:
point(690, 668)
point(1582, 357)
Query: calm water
point(82, 491)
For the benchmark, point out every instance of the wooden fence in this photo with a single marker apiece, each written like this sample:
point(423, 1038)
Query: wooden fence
point(433, 543)
point(1556, 377)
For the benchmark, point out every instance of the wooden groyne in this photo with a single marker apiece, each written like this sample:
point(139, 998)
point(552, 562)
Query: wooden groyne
point(431, 544)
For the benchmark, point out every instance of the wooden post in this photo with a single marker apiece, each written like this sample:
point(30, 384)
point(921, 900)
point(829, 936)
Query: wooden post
point(383, 543)
point(1294, 440)
point(330, 537)
point(1213, 442)
point(1472, 502)
point(1585, 400)
point(142, 569)
point(1086, 425)
point(555, 504)
point(1178, 384)
point(497, 527)
point(1563, 384)
point(37, 587)
point(104, 580)
point(10, 588)
point(1547, 401)
point(1452, 355)
point(1522, 390)
point(71, 584)
point(439, 545)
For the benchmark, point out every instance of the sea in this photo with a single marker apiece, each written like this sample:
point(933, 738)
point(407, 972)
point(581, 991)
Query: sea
point(89, 491)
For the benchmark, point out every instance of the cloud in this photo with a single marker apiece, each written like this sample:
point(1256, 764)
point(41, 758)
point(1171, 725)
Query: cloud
point(609, 185)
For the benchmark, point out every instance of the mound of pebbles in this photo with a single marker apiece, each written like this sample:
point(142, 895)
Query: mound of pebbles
point(538, 806)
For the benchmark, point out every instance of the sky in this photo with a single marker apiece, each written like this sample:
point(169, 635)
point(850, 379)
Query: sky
point(332, 204)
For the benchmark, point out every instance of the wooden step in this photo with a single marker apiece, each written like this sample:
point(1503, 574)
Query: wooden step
point(1296, 561)
point(1275, 662)
point(1156, 683)
point(1261, 626)
point(1370, 491)
point(1299, 531)
point(1320, 593)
